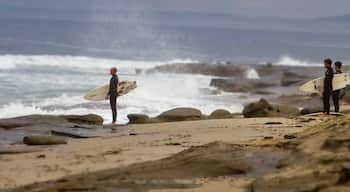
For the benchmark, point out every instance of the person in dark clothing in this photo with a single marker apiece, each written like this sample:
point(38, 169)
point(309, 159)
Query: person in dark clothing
point(113, 93)
point(328, 86)
point(336, 94)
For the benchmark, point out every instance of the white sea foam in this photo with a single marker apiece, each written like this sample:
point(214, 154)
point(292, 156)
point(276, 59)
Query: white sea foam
point(78, 62)
point(287, 60)
point(252, 74)
point(6, 66)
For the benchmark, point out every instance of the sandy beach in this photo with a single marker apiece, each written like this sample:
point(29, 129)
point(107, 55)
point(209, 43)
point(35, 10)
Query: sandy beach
point(138, 143)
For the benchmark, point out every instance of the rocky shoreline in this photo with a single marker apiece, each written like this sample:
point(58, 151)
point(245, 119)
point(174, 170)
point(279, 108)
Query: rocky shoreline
point(48, 129)
point(236, 78)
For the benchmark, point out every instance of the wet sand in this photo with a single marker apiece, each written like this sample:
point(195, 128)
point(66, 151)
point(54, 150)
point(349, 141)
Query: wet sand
point(145, 143)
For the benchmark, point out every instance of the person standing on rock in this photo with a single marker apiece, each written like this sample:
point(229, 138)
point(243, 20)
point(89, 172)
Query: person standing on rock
point(113, 93)
point(328, 86)
point(336, 94)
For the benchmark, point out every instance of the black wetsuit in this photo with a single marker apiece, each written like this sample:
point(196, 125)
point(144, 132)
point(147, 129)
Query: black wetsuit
point(328, 89)
point(336, 96)
point(113, 95)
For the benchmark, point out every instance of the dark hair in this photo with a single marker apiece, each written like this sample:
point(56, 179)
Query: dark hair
point(328, 61)
point(338, 64)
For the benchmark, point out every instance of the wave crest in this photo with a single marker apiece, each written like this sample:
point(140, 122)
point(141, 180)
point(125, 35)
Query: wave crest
point(290, 61)
point(80, 62)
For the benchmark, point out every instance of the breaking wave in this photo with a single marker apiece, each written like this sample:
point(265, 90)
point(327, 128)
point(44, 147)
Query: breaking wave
point(78, 62)
point(290, 61)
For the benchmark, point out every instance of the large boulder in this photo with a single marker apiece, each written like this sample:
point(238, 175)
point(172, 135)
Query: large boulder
point(138, 119)
point(43, 140)
point(257, 109)
point(220, 114)
point(263, 108)
point(180, 114)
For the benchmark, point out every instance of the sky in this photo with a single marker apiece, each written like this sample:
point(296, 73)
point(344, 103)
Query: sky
point(276, 8)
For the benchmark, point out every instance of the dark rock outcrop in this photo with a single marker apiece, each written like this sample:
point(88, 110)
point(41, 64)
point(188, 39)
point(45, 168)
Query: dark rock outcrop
point(139, 119)
point(43, 140)
point(13, 130)
point(221, 70)
point(263, 108)
point(310, 110)
point(68, 121)
point(90, 119)
point(241, 85)
point(290, 78)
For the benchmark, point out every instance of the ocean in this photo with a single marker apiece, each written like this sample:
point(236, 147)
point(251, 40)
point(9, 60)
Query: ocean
point(50, 57)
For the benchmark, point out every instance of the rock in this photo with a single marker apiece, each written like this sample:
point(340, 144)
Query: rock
point(138, 71)
point(220, 114)
point(173, 144)
point(288, 72)
point(180, 114)
point(264, 109)
point(75, 133)
point(310, 110)
point(221, 70)
point(246, 85)
point(138, 119)
point(273, 123)
point(90, 119)
point(268, 137)
point(290, 78)
point(12, 125)
point(257, 109)
point(68, 121)
point(43, 140)
point(290, 137)
point(15, 149)
point(42, 156)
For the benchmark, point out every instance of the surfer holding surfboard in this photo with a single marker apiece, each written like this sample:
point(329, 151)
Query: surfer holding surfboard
point(113, 93)
point(328, 86)
point(336, 93)
point(332, 84)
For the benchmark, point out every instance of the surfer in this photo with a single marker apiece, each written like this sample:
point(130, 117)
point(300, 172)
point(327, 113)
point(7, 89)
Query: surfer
point(328, 86)
point(336, 94)
point(113, 93)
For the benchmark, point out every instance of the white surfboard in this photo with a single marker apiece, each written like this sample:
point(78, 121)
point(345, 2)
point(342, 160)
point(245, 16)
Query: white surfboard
point(100, 94)
point(340, 81)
